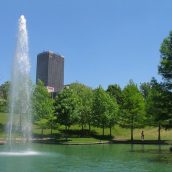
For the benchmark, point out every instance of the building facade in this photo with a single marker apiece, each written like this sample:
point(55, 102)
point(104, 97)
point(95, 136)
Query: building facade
point(50, 70)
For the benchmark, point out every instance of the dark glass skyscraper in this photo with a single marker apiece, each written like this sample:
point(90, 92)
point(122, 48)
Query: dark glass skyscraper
point(50, 70)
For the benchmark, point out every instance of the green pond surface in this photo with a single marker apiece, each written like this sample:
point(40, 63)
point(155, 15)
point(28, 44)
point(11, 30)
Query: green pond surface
point(87, 158)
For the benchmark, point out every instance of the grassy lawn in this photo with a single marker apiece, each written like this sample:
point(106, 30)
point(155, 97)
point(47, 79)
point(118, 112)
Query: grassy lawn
point(3, 121)
point(75, 134)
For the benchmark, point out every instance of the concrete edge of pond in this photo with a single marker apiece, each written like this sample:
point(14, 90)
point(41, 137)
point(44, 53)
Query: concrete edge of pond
point(71, 143)
point(116, 141)
point(2, 142)
point(146, 142)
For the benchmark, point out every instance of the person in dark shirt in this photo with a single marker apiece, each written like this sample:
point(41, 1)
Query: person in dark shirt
point(142, 135)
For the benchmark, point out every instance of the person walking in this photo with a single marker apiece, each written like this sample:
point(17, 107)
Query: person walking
point(142, 135)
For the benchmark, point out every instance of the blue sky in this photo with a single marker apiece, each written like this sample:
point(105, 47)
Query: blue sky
point(103, 41)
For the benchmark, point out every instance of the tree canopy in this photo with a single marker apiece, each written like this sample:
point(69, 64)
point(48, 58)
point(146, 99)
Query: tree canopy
point(116, 92)
point(4, 92)
point(105, 109)
point(85, 95)
point(165, 67)
point(133, 108)
point(67, 106)
point(43, 106)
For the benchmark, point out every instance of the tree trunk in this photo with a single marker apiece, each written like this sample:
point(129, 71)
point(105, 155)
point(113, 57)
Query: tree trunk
point(89, 127)
point(110, 131)
point(159, 132)
point(51, 130)
point(132, 126)
point(66, 132)
point(131, 133)
point(82, 130)
point(42, 131)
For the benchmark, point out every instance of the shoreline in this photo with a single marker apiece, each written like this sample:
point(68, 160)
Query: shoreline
point(116, 141)
point(105, 142)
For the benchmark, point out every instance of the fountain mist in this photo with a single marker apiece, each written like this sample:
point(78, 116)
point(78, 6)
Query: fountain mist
point(19, 125)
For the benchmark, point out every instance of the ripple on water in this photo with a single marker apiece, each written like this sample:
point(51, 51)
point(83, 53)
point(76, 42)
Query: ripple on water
point(25, 153)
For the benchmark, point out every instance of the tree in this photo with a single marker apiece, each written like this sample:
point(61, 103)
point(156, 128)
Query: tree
point(85, 95)
point(43, 107)
point(145, 89)
point(132, 114)
point(116, 92)
point(165, 67)
point(4, 92)
point(157, 106)
point(113, 111)
point(67, 107)
point(105, 110)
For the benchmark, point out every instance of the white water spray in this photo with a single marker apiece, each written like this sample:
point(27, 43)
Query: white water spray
point(19, 125)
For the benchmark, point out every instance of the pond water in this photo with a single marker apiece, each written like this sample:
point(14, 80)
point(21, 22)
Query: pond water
point(88, 158)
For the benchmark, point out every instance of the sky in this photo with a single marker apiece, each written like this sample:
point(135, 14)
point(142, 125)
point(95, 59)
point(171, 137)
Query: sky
point(103, 41)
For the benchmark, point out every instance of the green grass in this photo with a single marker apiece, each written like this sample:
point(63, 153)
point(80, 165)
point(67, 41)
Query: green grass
point(3, 118)
point(3, 121)
point(75, 134)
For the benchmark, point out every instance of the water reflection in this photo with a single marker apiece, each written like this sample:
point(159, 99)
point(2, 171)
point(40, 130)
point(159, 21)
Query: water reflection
point(89, 158)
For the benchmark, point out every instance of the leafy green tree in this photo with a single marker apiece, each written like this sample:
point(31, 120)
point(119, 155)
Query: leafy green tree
point(43, 107)
point(133, 108)
point(145, 89)
point(105, 110)
point(112, 114)
point(85, 95)
point(52, 122)
point(42, 123)
point(165, 67)
point(157, 106)
point(67, 105)
point(4, 91)
point(116, 92)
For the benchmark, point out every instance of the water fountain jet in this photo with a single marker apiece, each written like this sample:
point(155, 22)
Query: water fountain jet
point(19, 125)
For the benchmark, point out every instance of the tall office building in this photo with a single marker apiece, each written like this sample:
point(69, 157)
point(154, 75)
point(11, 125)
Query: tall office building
point(50, 70)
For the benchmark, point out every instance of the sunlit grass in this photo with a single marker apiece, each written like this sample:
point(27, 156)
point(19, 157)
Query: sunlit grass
point(3, 118)
point(3, 122)
point(75, 134)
